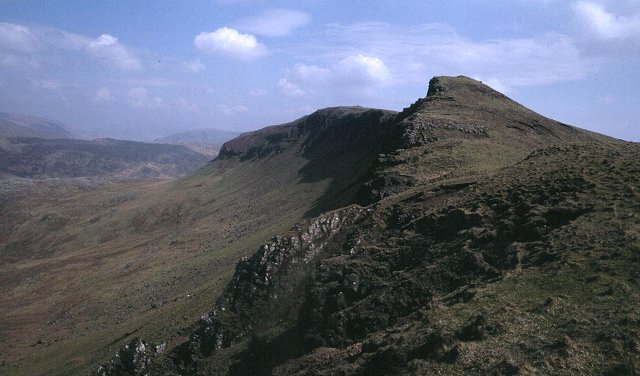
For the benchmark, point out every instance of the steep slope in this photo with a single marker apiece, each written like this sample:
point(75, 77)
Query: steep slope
point(17, 125)
point(483, 229)
point(65, 158)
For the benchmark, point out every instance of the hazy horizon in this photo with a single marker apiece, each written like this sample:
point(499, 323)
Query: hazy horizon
point(146, 70)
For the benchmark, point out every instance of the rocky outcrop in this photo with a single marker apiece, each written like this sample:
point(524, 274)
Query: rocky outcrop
point(260, 283)
point(135, 359)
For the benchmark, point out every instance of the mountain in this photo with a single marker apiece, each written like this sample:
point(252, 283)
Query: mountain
point(17, 125)
point(478, 252)
point(206, 141)
point(463, 235)
point(65, 158)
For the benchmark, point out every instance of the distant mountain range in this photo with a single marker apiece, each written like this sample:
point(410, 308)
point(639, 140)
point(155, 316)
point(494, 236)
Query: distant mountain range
point(18, 125)
point(66, 158)
point(205, 136)
point(35, 147)
point(206, 141)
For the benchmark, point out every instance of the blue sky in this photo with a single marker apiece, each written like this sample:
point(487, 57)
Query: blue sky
point(144, 69)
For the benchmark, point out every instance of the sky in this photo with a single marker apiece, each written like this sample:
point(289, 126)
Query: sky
point(148, 68)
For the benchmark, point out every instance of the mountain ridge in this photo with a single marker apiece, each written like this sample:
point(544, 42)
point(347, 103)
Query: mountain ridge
point(468, 192)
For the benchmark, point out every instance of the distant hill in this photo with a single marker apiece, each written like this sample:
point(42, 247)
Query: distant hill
point(206, 141)
point(18, 125)
point(64, 158)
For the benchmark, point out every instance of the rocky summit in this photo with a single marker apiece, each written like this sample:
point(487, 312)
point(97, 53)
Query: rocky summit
point(466, 234)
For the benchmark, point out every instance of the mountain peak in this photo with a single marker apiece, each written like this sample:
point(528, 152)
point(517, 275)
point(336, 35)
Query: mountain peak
point(449, 86)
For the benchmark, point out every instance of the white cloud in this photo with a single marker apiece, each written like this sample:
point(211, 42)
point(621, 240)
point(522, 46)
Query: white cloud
point(275, 22)
point(435, 49)
point(102, 95)
point(595, 20)
point(359, 74)
point(138, 97)
point(290, 88)
point(230, 42)
point(34, 47)
point(17, 38)
point(363, 70)
point(107, 47)
point(195, 66)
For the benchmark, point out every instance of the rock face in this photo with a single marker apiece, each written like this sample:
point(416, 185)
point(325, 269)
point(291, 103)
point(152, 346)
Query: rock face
point(476, 227)
point(252, 297)
point(134, 358)
point(338, 126)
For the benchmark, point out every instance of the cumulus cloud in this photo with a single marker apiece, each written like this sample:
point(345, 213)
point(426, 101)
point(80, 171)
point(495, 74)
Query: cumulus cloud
point(275, 22)
point(230, 42)
point(138, 97)
point(364, 70)
point(107, 47)
point(359, 74)
point(102, 95)
point(600, 23)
